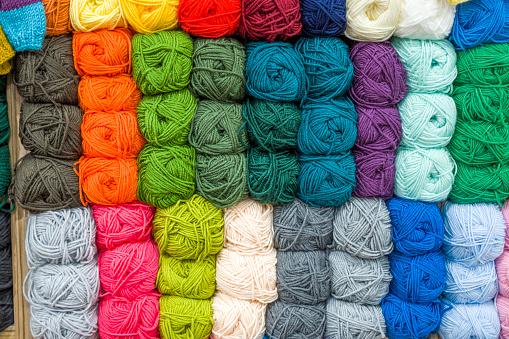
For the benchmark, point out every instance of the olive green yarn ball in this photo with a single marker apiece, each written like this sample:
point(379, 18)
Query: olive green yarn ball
point(184, 318)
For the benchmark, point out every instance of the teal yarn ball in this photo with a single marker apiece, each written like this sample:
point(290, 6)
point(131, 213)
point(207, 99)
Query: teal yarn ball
point(272, 177)
point(5, 175)
point(4, 119)
point(275, 72)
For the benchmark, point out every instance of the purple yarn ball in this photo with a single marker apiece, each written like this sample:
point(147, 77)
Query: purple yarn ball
point(375, 173)
point(378, 129)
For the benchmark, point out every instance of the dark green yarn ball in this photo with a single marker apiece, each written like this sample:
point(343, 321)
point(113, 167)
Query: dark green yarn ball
point(5, 175)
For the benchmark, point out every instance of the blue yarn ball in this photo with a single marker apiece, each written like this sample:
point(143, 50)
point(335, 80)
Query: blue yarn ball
point(275, 72)
point(323, 17)
point(417, 227)
point(418, 279)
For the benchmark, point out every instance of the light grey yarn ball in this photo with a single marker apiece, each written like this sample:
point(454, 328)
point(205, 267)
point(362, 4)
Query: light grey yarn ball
point(359, 280)
point(362, 228)
point(46, 323)
point(290, 321)
point(346, 320)
point(61, 237)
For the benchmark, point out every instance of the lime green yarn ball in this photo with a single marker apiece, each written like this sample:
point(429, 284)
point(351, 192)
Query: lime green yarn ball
point(486, 65)
point(166, 174)
point(184, 318)
point(484, 103)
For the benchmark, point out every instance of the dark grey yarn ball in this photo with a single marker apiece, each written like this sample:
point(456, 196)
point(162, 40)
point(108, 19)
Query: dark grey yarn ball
point(6, 309)
point(5, 268)
point(5, 230)
point(290, 321)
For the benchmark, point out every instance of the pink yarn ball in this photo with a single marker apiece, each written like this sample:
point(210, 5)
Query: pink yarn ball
point(502, 265)
point(503, 314)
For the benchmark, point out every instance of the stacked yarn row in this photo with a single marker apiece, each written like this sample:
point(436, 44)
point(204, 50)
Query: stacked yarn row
point(502, 267)
point(5, 158)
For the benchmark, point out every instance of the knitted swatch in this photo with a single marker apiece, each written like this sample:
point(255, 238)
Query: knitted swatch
point(24, 23)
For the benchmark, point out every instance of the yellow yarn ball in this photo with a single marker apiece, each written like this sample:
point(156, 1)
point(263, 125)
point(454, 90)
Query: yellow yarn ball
point(6, 53)
point(150, 16)
point(457, 2)
point(92, 15)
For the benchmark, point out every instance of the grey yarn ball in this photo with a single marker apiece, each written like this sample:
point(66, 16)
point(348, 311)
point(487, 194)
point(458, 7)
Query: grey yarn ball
point(46, 323)
point(5, 268)
point(300, 227)
point(290, 321)
point(6, 309)
point(359, 280)
point(362, 228)
point(303, 277)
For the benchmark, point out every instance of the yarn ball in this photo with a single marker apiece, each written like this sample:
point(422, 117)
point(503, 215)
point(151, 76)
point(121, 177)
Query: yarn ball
point(209, 19)
point(378, 129)
point(50, 324)
point(269, 20)
point(327, 65)
point(151, 16)
point(424, 174)
point(7, 308)
point(60, 237)
point(375, 172)
point(235, 318)
point(326, 181)
point(101, 93)
point(51, 131)
point(327, 128)
point(379, 76)
point(301, 227)
point(248, 227)
point(88, 15)
point(247, 277)
point(5, 229)
point(215, 128)
point(165, 119)
point(471, 103)
point(359, 280)
point(430, 64)
point(195, 279)
point(325, 18)
point(5, 177)
point(292, 321)
point(107, 181)
point(372, 20)
point(103, 52)
point(362, 228)
point(222, 179)
point(502, 303)
point(6, 279)
point(121, 224)
point(166, 174)
point(502, 267)
point(57, 17)
point(36, 84)
point(476, 284)
point(470, 321)
point(119, 317)
point(275, 71)
point(185, 318)
point(271, 126)
point(272, 177)
point(428, 19)
point(189, 229)
point(43, 184)
point(345, 320)
point(218, 69)
point(474, 233)
point(161, 61)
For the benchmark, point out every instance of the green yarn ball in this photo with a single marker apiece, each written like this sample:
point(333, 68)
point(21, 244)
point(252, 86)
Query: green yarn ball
point(184, 318)
point(165, 119)
point(490, 104)
point(5, 174)
point(4, 120)
point(165, 174)
point(486, 65)
point(161, 61)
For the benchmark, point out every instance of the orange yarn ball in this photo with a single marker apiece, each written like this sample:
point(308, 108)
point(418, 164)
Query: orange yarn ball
point(57, 16)
point(102, 93)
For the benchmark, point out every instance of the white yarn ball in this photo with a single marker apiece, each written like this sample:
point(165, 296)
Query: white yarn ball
point(46, 323)
point(425, 19)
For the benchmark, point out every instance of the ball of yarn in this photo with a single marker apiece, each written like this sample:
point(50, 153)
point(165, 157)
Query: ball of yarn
point(428, 19)
point(247, 277)
point(166, 174)
point(476, 284)
point(269, 20)
point(5, 176)
point(372, 20)
point(209, 19)
point(301, 227)
point(470, 321)
point(42, 184)
point(502, 303)
point(108, 181)
point(286, 320)
point(7, 309)
point(165, 119)
point(189, 229)
point(327, 128)
point(119, 317)
point(235, 318)
point(129, 270)
point(378, 129)
point(359, 280)
point(71, 287)
point(36, 84)
point(362, 228)
point(218, 69)
point(325, 18)
point(151, 16)
point(408, 320)
point(379, 76)
point(50, 324)
point(475, 103)
point(474, 233)
point(88, 15)
point(4, 119)
point(103, 52)
point(430, 64)
point(111, 134)
point(248, 227)
point(60, 237)
point(374, 174)
point(222, 179)
point(271, 126)
point(6, 273)
point(185, 318)
point(161, 61)
point(215, 128)
point(101, 93)
point(5, 229)
point(52, 131)
point(326, 181)
point(57, 17)
point(502, 267)
point(327, 65)
point(347, 320)
point(275, 71)
point(424, 174)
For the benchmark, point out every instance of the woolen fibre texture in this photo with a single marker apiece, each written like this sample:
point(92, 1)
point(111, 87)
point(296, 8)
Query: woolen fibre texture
point(101, 93)
point(375, 172)
point(378, 129)
point(48, 323)
point(185, 318)
point(287, 320)
point(5, 229)
point(324, 18)
point(476, 284)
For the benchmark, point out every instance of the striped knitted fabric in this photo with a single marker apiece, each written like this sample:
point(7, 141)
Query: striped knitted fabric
point(24, 23)
point(6, 53)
